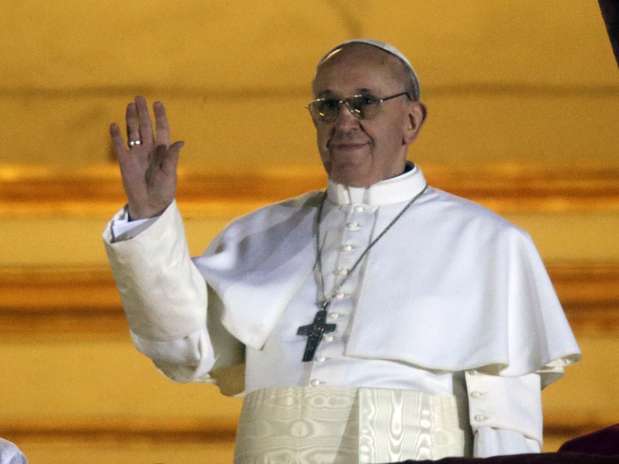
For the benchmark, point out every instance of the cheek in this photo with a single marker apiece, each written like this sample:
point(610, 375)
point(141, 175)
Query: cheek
point(391, 135)
point(322, 137)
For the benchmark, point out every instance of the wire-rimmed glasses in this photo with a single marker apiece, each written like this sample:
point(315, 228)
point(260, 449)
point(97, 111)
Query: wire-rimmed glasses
point(361, 106)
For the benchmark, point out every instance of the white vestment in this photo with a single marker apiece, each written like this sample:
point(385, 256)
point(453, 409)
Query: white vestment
point(452, 299)
point(10, 453)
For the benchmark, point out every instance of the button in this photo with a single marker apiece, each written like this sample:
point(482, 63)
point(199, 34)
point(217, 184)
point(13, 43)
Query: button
point(477, 394)
point(315, 382)
point(333, 316)
point(353, 226)
point(341, 295)
point(347, 247)
point(480, 417)
point(329, 338)
point(341, 272)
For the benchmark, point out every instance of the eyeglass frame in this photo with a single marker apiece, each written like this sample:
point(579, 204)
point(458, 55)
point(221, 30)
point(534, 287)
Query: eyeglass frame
point(346, 102)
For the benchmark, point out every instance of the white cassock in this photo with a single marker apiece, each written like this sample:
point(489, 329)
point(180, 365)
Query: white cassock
point(453, 300)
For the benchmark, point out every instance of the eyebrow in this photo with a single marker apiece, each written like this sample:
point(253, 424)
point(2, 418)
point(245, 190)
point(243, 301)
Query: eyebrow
point(359, 91)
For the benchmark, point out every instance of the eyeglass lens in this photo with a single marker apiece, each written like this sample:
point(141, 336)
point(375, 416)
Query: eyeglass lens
point(361, 106)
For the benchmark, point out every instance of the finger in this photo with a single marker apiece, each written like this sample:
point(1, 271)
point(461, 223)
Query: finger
point(117, 141)
point(145, 127)
point(133, 124)
point(161, 124)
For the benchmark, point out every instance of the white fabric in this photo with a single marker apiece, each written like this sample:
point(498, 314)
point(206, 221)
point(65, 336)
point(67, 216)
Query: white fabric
point(157, 285)
point(489, 442)
point(345, 425)
point(486, 409)
point(10, 453)
point(489, 319)
point(418, 322)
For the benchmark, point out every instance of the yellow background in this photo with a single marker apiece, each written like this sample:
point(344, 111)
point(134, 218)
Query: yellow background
point(523, 102)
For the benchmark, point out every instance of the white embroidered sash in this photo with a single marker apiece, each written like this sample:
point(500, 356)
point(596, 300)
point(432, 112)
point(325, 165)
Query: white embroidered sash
point(348, 425)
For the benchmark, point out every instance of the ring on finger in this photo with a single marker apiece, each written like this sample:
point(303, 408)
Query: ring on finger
point(133, 143)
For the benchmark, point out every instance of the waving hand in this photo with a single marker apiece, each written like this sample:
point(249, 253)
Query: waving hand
point(147, 162)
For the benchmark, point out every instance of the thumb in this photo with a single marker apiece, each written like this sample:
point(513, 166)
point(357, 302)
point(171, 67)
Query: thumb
point(171, 160)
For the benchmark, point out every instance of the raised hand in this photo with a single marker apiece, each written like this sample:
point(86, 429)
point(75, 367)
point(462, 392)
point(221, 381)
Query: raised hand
point(148, 162)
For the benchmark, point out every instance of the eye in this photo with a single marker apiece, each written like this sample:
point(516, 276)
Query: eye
point(329, 104)
point(360, 102)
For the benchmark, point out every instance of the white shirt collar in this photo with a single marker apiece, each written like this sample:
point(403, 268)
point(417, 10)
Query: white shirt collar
point(389, 191)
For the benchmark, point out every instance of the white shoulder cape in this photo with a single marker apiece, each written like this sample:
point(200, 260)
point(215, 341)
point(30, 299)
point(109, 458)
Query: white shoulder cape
point(453, 287)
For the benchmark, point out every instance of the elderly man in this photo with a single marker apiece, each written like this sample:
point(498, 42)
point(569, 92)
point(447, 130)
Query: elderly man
point(377, 321)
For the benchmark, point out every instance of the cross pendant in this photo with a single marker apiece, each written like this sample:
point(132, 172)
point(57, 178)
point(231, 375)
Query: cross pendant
point(314, 333)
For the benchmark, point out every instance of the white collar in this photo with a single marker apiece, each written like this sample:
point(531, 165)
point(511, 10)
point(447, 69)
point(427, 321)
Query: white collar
point(388, 191)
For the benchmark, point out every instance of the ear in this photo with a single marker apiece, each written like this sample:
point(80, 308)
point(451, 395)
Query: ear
point(416, 116)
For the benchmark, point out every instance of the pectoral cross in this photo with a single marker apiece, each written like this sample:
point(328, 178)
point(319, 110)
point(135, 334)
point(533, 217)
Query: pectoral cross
point(315, 331)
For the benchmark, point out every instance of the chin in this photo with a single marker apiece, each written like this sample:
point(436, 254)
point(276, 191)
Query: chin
point(352, 179)
point(351, 171)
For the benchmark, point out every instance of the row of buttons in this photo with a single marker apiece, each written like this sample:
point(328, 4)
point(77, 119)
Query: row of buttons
point(320, 359)
point(341, 295)
point(353, 225)
point(357, 208)
point(340, 272)
point(347, 247)
point(477, 394)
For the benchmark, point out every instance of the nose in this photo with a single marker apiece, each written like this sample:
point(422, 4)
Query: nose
point(346, 118)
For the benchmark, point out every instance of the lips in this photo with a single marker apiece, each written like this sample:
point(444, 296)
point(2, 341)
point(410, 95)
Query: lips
point(346, 146)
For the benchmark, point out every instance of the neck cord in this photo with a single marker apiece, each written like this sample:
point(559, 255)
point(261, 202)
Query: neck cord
point(324, 304)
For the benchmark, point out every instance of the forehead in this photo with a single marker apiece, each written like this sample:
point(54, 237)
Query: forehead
point(358, 67)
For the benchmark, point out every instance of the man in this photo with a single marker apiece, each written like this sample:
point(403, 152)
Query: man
point(378, 321)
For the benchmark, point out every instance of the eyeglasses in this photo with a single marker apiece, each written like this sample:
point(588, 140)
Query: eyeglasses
point(362, 106)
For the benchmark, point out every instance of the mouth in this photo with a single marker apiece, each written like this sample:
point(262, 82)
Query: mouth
point(347, 146)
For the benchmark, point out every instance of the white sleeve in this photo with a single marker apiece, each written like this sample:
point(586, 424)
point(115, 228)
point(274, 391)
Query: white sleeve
point(505, 413)
point(186, 359)
point(490, 441)
point(164, 297)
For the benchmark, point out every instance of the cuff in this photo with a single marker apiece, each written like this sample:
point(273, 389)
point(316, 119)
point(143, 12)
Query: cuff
point(496, 442)
point(121, 228)
point(186, 359)
point(507, 403)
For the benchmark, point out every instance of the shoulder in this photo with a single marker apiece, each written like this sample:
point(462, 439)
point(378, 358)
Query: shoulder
point(461, 214)
point(281, 210)
point(287, 210)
